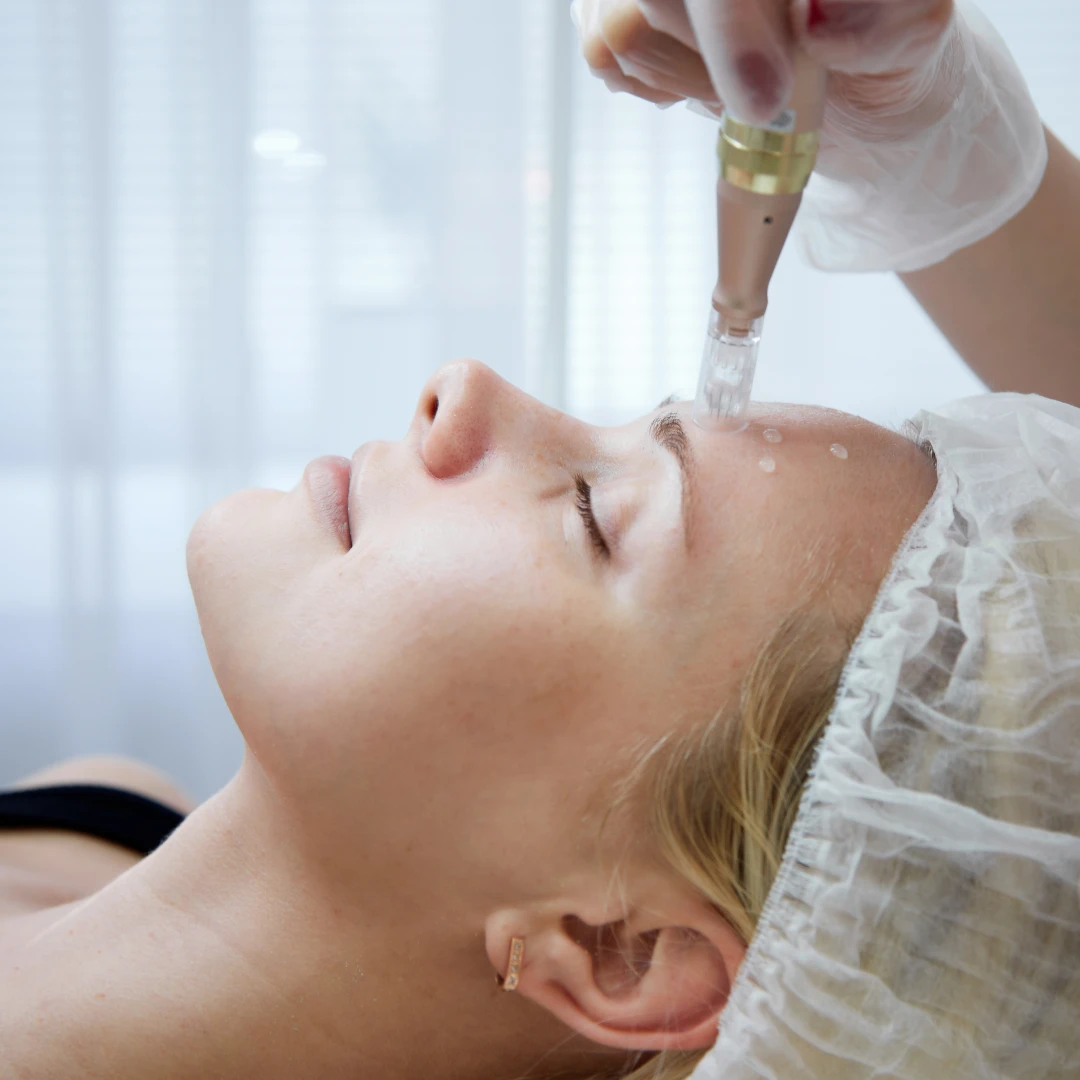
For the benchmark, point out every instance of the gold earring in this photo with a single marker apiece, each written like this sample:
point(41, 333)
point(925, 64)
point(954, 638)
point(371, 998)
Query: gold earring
point(517, 953)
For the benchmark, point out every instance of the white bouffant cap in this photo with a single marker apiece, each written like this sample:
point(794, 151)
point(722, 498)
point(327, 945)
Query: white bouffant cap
point(925, 922)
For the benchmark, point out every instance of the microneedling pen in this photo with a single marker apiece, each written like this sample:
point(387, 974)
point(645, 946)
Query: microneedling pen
point(763, 171)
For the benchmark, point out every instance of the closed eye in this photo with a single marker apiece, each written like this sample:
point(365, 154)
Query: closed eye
point(585, 509)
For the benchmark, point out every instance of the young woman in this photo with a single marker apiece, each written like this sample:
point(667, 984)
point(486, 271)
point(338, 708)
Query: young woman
point(446, 657)
point(531, 705)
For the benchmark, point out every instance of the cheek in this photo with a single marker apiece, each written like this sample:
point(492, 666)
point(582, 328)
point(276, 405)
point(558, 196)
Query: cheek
point(422, 647)
point(440, 603)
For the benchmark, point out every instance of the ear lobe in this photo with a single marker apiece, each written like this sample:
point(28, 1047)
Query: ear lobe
point(655, 986)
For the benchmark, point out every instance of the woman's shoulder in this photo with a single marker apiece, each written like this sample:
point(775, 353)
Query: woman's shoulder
point(43, 868)
point(117, 771)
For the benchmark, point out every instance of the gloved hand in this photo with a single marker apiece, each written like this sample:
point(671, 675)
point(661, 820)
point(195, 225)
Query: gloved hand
point(930, 142)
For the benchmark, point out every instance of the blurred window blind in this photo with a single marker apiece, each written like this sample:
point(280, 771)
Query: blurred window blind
point(236, 234)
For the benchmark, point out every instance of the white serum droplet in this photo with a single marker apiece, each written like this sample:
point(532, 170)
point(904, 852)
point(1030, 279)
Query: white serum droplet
point(772, 435)
point(766, 464)
point(838, 451)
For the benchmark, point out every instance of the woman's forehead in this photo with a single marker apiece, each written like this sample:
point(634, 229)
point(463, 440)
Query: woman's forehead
point(796, 416)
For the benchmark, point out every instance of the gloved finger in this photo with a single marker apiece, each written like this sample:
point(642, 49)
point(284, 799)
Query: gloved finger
point(626, 84)
point(603, 63)
point(710, 110)
point(871, 37)
point(586, 15)
point(670, 17)
point(652, 56)
point(747, 48)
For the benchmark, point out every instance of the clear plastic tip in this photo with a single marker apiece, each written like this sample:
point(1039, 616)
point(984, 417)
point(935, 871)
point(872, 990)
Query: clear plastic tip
point(727, 375)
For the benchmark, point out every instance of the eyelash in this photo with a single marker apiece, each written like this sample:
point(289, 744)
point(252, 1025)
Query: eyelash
point(585, 508)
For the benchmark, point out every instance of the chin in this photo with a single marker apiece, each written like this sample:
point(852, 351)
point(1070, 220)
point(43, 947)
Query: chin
point(227, 544)
point(208, 538)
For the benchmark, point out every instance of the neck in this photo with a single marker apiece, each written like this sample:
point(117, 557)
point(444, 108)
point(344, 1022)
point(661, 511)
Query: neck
point(219, 956)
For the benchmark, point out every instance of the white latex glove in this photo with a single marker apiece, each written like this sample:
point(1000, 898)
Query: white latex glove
point(931, 140)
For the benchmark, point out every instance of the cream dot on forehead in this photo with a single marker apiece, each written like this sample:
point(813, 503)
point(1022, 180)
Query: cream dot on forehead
point(771, 435)
point(839, 451)
point(767, 464)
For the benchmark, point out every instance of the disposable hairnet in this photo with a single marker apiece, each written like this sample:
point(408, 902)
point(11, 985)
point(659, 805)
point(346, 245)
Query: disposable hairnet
point(925, 922)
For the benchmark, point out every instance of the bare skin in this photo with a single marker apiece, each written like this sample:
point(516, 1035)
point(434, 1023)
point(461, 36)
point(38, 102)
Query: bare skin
point(436, 700)
point(44, 872)
point(39, 867)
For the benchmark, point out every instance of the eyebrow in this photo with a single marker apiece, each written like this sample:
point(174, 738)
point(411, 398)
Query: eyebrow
point(668, 431)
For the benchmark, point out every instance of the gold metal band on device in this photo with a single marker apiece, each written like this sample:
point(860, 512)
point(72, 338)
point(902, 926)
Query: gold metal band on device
point(766, 162)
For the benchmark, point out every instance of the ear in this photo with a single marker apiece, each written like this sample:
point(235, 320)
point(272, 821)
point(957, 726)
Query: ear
point(655, 980)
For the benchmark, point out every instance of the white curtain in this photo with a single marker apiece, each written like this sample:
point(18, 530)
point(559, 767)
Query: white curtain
point(235, 234)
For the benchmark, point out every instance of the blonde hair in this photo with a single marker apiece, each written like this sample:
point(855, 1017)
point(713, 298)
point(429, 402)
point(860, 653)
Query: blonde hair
point(721, 798)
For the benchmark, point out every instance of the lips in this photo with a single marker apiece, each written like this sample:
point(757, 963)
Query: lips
point(328, 480)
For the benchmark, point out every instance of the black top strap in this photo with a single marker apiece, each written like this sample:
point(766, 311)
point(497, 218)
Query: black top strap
point(122, 817)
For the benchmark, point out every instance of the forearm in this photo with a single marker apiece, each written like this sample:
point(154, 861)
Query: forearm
point(1010, 304)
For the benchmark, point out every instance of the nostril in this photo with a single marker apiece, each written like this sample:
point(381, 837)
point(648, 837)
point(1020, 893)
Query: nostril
point(432, 407)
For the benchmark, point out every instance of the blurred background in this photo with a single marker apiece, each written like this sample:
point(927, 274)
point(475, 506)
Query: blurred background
point(237, 234)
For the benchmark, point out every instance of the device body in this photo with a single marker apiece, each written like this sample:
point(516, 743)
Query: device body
point(763, 171)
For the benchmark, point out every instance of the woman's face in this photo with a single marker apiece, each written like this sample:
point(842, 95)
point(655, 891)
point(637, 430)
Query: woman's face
point(465, 635)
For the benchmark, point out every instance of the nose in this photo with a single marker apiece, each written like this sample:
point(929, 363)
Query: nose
point(460, 412)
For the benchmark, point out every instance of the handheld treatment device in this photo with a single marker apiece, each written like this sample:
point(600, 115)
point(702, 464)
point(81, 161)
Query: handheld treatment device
point(763, 171)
